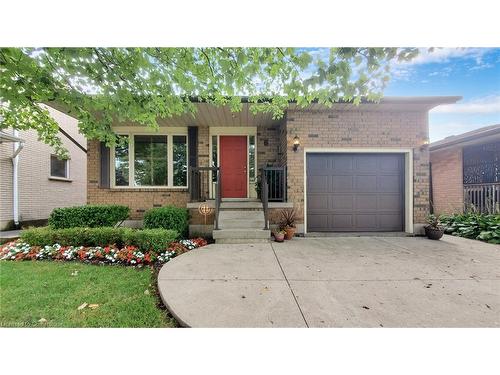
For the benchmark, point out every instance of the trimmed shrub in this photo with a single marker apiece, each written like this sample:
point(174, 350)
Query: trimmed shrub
point(37, 236)
point(150, 239)
point(146, 240)
point(90, 216)
point(168, 217)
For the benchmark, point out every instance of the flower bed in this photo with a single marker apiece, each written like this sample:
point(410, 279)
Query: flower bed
point(127, 255)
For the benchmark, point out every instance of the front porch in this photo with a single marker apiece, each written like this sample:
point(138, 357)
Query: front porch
point(214, 211)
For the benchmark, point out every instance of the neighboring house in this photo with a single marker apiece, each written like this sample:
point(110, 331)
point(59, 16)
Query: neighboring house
point(343, 169)
point(43, 181)
point(466, 172)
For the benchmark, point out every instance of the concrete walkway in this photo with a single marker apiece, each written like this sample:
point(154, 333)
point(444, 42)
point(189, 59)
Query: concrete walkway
point(336, 282)
point(9, 235)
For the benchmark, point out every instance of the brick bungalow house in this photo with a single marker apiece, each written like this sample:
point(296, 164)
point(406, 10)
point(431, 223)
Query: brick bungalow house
point(466, 171)
point(343, 169)
point(33, 180)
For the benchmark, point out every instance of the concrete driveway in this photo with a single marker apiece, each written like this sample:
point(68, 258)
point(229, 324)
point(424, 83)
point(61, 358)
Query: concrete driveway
point(336, 282)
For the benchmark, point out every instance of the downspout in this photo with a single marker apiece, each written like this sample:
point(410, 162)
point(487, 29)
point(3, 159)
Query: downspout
point(17, 147)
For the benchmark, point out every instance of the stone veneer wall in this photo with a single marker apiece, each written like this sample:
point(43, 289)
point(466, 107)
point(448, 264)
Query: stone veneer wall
point(359, 128)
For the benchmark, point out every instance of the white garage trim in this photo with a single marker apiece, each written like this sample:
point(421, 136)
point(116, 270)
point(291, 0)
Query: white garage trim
point(408, 152)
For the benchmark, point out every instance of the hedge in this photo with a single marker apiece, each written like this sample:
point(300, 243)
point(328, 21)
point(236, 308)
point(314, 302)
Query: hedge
point(91, 216)
point(145, 239)
point(168, 217)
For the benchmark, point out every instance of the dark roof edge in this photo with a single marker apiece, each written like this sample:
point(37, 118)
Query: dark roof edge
point(465, 137)
point(385, 99)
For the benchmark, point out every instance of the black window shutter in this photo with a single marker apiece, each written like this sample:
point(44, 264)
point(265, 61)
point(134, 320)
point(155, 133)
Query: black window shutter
point(193, 145)
point(104, 160)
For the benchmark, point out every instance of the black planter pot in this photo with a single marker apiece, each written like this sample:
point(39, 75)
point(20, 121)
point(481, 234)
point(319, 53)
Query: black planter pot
point(433, 233)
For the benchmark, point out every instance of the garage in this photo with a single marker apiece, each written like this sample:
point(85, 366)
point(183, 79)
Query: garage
point(355, 192)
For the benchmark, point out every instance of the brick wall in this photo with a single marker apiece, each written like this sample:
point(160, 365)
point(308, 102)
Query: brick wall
point(38, 194)
point(359, 128)
point(268, 146)
point(447, 180)
point(139, 200)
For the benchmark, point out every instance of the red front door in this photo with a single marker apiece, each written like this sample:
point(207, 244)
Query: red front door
point(233, 163)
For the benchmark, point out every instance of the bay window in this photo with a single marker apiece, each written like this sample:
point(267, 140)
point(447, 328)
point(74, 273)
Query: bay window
point(150, 160)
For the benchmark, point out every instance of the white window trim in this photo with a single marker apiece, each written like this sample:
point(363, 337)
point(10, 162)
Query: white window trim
point(408, 154)
point(169, 132)
point(65, 178)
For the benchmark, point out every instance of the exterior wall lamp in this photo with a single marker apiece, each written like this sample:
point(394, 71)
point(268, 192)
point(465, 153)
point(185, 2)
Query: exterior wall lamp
point(296, 143)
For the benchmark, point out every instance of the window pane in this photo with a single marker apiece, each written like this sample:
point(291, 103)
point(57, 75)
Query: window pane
point(121, 164)
point(150, 160)
point(251, 159)
point(58, 167)
point(180, 160)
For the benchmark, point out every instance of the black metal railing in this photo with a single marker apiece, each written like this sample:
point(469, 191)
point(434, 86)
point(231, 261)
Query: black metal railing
point(202, 182)
point(276, 181)
point(205, 184)
point(264, 188)
point(218, 197)
point(484, 198)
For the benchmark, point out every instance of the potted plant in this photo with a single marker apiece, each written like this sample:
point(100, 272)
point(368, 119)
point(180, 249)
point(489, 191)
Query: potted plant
point(279, 236)
point(434, 230)
point(288, 223)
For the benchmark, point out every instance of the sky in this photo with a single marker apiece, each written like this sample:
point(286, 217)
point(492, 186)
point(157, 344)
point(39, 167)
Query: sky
point(473, 73)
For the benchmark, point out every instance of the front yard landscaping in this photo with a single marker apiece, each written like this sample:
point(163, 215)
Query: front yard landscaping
point(73, 273)
point(49, 294)
point(475, 226)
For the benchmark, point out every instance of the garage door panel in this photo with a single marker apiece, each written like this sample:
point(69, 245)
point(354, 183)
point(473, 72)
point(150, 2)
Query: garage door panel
point(391, 202)
point(366, 202)
point(341, 164)
point(317, 164)
point(318, 202)
point(366, 222)
point(341, 221)
point(388, 163)
point(318, 221)
point(341, 202)
point(318, 184)
point(365, 183)
point(390, 222)
point(389, 183)
point(355, 192)
point(365, 164)
point(341, 183)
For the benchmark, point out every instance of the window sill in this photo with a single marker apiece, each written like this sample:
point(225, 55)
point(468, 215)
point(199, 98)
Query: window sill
point(149, 189)
point(63, 179)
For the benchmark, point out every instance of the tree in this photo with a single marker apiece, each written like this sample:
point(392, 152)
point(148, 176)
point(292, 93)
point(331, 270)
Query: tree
point(99, 85)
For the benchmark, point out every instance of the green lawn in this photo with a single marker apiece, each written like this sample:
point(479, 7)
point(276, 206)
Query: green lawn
point(30, 291)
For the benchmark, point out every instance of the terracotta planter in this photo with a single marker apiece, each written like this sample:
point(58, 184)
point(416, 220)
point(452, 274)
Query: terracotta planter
point(279, 237)
point(290, 232)
point(433, 233)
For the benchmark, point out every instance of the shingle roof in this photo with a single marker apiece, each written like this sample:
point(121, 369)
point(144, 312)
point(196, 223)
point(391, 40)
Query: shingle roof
point(466, 137)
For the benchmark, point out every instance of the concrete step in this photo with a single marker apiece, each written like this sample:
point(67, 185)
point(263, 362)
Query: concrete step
point(241, 205)
point(241, 224)
point(240, 215)
point(241, 235)
point(238, 219)
point(241, 241)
